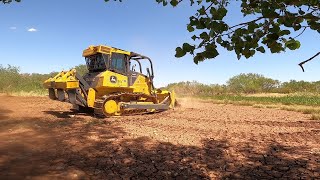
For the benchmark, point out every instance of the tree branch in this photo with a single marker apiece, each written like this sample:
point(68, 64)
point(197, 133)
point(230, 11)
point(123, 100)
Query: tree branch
point(303, 62)
point(300, 33)
point(207, 9)
point(246, 23)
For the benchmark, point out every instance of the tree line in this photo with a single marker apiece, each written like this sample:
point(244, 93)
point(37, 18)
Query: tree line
point(249, 83)
point(12, 80)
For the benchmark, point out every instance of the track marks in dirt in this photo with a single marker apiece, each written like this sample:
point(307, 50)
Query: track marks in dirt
point(193, 124)
point(195, 141)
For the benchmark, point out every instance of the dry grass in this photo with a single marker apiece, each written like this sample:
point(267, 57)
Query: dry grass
point(315, 111)
point(31, 93)
point(303, 109)
point(280, 94)
point(315, 117)
point(272, 106)
point(266, 95)
point(259, 106)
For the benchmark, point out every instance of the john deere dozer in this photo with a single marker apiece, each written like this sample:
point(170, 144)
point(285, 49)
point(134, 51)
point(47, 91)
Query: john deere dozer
point(112, 86)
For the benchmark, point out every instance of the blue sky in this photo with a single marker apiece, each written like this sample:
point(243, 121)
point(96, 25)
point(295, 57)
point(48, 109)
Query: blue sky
point(44, 36)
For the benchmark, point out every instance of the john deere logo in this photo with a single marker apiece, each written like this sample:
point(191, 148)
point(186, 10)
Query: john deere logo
point(113, 79)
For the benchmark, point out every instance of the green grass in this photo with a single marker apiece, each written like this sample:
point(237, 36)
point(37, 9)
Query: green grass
point(312, 100)
point(306, 104)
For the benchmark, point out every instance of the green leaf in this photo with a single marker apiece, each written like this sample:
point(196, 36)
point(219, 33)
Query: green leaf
point(204, 36)
point(211, 47)
point(288, 21)
point(252, 26)
point(164, 3)
point(202, 10)
point(293, 44)
point(301, 12)
point(229, 47)
point(218, 14)
point(213, 11)
point(261, 49)
point(275, 47)
point(180, 52)
point(238, 56)
point(273, 36)
point(210, 54)
point(269, 13)
point(199, 57)
point(219, 40)
point(174, 3)
point(187, 47)
point(194, 37)
point(284, 32)
point(190, 28)
point(275, 29)
point(296, 27)
point(222, 12)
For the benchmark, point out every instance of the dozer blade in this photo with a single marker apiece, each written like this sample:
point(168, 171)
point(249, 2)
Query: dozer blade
point(166, 97)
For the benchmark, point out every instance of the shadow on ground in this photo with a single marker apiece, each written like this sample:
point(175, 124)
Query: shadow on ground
point(69, 114)
point(74, 149)
point(4, 113)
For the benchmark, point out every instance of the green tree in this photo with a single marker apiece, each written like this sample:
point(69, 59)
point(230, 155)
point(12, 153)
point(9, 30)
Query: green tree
point(274, 25)
point(9, 78)
point(298, 86)
point(251, 83)
point(81, 69)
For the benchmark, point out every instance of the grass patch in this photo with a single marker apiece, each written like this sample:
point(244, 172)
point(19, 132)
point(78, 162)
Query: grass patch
point(272, 106)
point(31, 93)
point(307, 104)
point(315, 117)
point(259, 106)
point(310, 100)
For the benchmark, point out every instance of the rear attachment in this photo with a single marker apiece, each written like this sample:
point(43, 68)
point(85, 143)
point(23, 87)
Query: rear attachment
point(68, 86)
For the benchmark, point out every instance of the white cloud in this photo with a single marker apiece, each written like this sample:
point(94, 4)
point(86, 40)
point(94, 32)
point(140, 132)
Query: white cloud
point(32, 30)
point(13, 28)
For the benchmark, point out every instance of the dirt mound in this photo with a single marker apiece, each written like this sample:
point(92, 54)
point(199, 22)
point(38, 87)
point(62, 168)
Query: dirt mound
point(43, 139)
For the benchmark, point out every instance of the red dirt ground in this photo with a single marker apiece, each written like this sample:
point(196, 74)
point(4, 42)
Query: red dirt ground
point(43, 139)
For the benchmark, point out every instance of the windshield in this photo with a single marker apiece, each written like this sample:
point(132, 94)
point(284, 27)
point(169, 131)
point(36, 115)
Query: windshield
point(96, 62)
point(118, 62)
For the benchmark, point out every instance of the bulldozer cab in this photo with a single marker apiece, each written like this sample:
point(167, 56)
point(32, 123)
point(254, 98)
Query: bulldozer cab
point(102, 58)
point(96, 62)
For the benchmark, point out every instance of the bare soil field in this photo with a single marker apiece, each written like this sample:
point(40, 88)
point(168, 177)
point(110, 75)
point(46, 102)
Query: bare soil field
point(43, 139)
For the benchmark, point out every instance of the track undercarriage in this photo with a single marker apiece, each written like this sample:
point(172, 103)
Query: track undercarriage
point(119, 104)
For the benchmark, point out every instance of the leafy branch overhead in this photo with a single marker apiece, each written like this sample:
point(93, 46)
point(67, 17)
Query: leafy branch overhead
point(8, 1)
point(272, 25)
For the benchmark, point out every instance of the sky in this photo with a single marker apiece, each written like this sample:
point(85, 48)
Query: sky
point(45, 36)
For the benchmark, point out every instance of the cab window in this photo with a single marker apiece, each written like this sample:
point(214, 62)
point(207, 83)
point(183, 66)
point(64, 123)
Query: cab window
point(96, 63)
point(118, 62)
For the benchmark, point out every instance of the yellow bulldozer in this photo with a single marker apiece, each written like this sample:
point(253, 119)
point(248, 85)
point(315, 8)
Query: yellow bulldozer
point(112, 86)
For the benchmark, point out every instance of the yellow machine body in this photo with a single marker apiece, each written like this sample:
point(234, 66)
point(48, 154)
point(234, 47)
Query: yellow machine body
point(111, 87)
